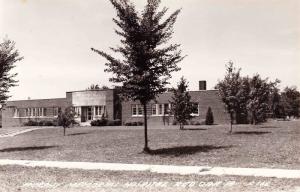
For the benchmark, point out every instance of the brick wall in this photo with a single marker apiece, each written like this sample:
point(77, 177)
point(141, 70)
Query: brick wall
point(8, 119)
point(205, 98)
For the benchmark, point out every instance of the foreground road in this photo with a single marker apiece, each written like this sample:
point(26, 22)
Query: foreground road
point(18, 178)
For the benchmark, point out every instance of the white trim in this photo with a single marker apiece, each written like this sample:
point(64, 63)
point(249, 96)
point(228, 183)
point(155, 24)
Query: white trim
point(137, 106)
point(157, 110)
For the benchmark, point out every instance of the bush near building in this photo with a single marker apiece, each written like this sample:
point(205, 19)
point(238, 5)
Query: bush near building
point(105, 122)
point(41, 123)
point(209, 117)
point(134, 123)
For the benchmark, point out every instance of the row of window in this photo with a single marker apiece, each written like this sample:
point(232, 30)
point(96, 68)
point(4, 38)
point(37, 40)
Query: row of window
point(94, 110)
point(158, 109)
point(36, 112)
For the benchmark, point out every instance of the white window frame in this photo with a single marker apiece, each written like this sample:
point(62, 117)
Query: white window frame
point(16, 112)
point(138, 108)
point(196, 114)
point(159, 106)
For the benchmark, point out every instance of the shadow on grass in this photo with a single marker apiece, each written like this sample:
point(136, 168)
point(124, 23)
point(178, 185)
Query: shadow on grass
point(269, 127)
point(251, 132)
point(13, 149)
point(193, 129)
point(74, 134)
point(185, 150)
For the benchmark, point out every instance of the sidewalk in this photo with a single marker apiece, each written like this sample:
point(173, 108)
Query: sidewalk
point(170, 169)
point(10, 132)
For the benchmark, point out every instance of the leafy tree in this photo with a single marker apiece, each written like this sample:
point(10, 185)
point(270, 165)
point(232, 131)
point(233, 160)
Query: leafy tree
point(8, 57)
point(66, 118)
point(258, 102)
point(146, 64)
point(209, 120)
point(97, 87)
point(182, 107)
point(230, 91)
point(276, 104)
point(291, 101)
point(94, 87)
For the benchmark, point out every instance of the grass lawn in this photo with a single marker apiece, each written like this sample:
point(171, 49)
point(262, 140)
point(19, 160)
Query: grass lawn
point(16, 178)
point(274, 145)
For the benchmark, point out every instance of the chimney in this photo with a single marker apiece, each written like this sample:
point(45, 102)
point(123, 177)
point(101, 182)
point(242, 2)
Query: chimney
point(202, 85)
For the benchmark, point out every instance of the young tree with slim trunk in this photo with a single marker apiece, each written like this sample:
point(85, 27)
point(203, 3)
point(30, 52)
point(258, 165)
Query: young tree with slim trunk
point(229, 90)
point(8, 57)
point(147, 64)
point(182, 107)
point(66, 118)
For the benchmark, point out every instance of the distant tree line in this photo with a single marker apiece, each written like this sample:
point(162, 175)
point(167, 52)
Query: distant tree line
point(97, 87)
point(254, 99)
point(286, 103)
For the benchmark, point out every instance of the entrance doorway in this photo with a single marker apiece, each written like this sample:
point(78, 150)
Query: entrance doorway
point(89, 113)
point(86, 114)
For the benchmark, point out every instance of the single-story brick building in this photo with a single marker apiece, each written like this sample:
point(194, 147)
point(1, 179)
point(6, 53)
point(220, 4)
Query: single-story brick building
point(94, 104)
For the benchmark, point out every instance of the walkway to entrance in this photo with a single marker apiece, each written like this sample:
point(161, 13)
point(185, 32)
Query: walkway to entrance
point(10, 132)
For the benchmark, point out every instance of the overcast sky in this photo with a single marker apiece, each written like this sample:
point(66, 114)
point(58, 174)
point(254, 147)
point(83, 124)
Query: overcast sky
point(55, 37)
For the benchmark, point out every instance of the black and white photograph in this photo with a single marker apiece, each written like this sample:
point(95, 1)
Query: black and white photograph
point(150, 95)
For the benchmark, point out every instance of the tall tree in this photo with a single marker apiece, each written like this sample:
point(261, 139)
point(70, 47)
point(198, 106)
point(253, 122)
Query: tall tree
point(8, 57)
point(182, 107)
point(291, 96)
point(259, 96)
point(146, 64)
point(230, 91)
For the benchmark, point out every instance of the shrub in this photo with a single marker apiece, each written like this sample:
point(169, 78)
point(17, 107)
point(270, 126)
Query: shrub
point(41, 123)
point(209, 117)
point(31, 123)
point(99, 122)
point(134, 123)
point(195, 123)
point(116, 122)
point(48, 123)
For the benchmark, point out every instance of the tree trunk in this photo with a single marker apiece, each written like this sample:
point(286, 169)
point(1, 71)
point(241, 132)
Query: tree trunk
point(64, 131)
point(181, 126)
point(146, 148)
point(231, 122)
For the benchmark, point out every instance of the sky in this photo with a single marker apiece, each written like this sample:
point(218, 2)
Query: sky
point(55, 37)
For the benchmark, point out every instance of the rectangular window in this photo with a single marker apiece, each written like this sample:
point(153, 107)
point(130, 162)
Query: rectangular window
point(160, 109)
point(16, 112)
point(195, 109)
point(97, 110)
point(167, 109)
point(39, 112)
point(100, 110)
point(137, 110)
point(133, 110)
point(44, 111)
point(29, 112)
point(153, 109)
point(140, 110)
point(55, 111)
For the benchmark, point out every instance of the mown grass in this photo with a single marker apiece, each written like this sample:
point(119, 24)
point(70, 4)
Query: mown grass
point(274, 145)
